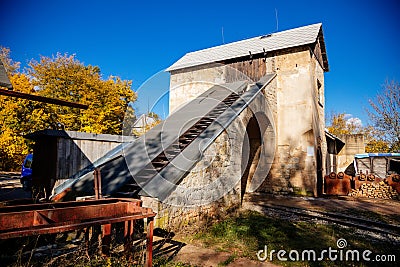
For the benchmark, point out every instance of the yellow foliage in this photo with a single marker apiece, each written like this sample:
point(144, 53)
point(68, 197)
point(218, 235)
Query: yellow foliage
point(61, 77)
point(64, 77)
point(375, 146)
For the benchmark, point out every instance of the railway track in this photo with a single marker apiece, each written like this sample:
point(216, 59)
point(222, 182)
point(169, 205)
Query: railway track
point(340, 219)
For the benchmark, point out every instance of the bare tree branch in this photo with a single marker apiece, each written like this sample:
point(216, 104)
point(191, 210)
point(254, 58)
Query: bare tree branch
point(385, 113)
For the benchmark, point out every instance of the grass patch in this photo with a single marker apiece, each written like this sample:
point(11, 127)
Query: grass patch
point(229, 260)
point(248, 232)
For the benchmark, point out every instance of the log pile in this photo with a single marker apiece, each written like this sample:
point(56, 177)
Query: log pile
point(375, 190)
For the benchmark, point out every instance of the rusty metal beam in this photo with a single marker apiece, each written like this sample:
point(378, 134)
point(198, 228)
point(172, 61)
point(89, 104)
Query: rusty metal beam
point(55, 220)
point(128, 236)
point(42, 99)
point(66, 204)
point(51, 218)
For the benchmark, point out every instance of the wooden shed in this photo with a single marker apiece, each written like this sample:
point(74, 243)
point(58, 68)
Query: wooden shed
point(58, 154)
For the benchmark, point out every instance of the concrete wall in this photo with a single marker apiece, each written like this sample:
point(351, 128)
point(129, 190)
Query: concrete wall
point(299, 122)
point(354, 144)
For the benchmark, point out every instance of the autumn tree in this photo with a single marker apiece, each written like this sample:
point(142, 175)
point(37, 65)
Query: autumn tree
point(339, 124)
point(15, 117)
point(62, 77)
point(11, 66)
point(385, 114)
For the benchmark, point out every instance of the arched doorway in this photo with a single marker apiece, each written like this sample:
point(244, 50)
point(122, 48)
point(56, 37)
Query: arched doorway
point(251, 148)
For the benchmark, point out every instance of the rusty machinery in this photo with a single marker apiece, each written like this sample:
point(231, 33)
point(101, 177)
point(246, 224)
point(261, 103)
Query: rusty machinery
point(52, 218)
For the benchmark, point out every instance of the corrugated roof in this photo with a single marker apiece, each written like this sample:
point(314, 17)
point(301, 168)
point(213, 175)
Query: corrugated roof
point(369, 155)
point(271, 42)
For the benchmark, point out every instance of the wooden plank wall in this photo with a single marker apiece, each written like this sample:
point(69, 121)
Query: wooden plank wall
point(318, 53)
point(254, 69)
point(74, 155)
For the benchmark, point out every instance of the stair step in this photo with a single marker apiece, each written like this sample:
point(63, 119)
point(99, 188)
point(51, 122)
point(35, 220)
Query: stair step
point(200, 126)
point(158, 166)
point(194, 130)
point(171, 151)
point(190, 135)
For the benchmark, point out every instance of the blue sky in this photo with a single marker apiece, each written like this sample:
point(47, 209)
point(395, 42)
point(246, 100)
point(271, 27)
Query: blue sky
point(136, 40)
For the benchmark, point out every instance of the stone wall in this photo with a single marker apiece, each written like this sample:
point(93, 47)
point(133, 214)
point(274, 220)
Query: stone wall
point(221, 160)
point(227, 160)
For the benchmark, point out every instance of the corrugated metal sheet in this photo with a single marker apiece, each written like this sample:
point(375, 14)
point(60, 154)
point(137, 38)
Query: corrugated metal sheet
point(276, 41)
point(367, 155)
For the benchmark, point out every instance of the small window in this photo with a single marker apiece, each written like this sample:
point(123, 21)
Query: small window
point(319, 88)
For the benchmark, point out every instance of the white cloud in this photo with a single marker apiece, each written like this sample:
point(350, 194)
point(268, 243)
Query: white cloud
point(354, 121)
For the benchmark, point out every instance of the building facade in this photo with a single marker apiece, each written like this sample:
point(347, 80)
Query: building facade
point(295, 97)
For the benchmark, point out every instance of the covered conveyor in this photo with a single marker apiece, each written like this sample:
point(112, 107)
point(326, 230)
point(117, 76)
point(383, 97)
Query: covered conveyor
point(157, 161)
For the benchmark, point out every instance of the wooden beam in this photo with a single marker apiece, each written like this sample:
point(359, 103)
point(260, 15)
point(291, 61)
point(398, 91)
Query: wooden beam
point(42, 99)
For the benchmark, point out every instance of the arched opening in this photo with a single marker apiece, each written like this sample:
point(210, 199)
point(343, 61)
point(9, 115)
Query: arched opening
point(251, 150)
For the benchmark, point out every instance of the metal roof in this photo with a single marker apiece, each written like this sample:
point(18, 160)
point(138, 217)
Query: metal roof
point(335, 144)
point(369, 155)
point(271, 42)
point(78, 136)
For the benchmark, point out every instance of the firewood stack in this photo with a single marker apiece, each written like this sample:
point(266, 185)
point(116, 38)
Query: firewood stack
point(375, 190)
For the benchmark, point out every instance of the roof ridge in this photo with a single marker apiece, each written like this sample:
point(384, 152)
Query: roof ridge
point(256, 37)
point(274, 41)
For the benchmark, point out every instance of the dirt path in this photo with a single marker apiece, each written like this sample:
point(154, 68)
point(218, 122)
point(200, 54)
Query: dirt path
point(198, 256)
point(195, 255)
point(334, 204)
point(11, 188)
